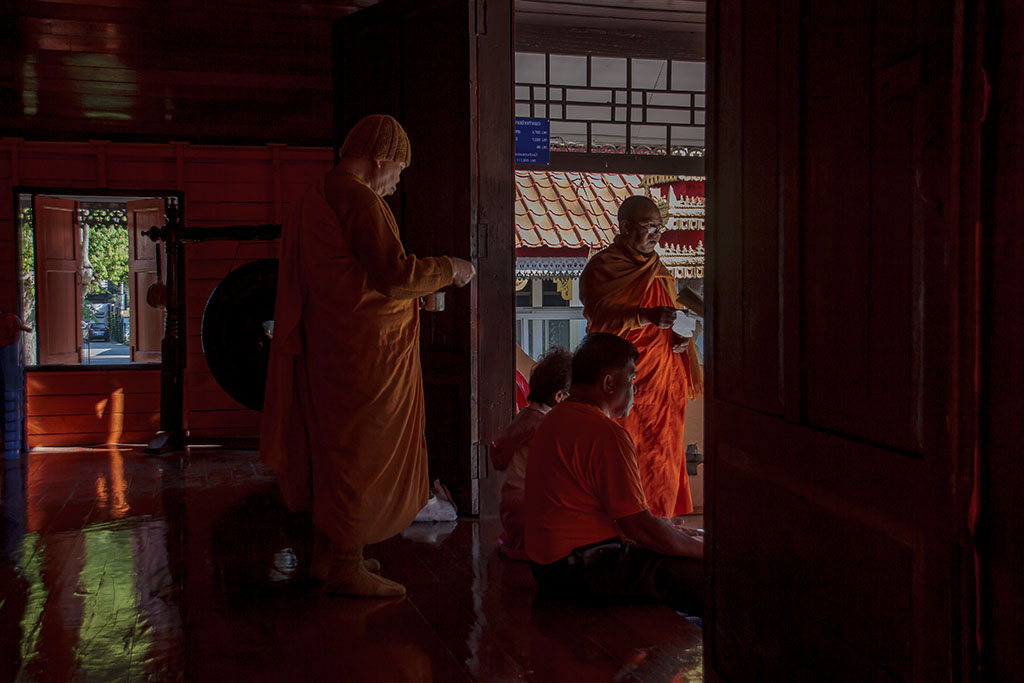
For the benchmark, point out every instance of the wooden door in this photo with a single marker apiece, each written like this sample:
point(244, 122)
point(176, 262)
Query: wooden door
point(58, 245)
point(147, 322)
point(443, 68)
point(841, 353)
point(1000, 524)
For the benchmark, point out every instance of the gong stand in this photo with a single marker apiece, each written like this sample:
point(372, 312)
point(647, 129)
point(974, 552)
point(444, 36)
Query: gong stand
point(173, 347)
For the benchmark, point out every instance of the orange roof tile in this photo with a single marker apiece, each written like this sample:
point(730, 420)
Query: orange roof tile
point(555, 209)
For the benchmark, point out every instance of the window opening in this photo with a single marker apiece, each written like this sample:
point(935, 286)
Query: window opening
point(94, 274)
point(614, 105)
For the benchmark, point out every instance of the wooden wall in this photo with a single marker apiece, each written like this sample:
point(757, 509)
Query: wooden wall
point(197, 70)
point(82, 407)
point(221, 186)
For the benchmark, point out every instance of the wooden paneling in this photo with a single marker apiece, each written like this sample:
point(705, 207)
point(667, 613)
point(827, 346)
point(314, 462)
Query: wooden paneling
point(222, 186)
point(58, 261)
point(195, 70)
point(84, 407)
point(683, 16)
point(1000, 527)
point(455, 199)
point(841, 299)
point(145, 259)
point(866, 291)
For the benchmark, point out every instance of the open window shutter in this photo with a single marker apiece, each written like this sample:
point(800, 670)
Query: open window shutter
point(58, 246)
point(147, 322)
point(840, 352)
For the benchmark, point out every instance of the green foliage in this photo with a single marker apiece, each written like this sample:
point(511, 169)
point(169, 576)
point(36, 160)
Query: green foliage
point(28, 252)
point(108, 247)
point(27, 270)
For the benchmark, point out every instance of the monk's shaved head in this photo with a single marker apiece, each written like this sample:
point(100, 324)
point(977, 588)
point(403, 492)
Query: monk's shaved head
point(640, 224)
point(635, 207)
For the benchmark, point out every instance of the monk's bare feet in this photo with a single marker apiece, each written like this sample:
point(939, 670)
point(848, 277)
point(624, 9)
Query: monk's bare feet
point(371, 565)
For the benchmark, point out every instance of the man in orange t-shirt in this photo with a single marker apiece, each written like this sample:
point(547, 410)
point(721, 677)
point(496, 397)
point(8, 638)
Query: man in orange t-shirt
point(583, 494)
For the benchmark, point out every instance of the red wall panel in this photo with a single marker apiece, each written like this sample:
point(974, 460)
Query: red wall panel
point(222, 185)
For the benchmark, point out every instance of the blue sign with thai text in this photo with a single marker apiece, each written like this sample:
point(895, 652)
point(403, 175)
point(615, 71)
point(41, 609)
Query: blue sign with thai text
point(533, 141)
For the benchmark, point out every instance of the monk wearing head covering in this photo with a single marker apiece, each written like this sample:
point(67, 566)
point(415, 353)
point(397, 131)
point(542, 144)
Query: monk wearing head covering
point(627, 291)
point(343, 418)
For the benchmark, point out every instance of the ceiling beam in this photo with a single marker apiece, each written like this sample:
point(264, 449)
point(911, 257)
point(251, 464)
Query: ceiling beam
point(605, 42)
point(647, 164)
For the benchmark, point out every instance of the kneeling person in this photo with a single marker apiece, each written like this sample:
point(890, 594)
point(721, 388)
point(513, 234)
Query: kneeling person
point(583, 495)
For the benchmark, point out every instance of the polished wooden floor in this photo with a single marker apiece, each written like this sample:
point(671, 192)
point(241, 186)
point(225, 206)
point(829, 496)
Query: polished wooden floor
point(122, 566)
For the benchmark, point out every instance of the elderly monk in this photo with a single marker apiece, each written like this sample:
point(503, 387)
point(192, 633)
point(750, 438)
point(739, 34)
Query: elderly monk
point(627, 291)
point(343, 419)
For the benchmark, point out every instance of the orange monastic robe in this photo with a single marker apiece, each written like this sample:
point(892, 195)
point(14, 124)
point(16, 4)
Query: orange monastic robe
point(343, 420)
point(616, 283)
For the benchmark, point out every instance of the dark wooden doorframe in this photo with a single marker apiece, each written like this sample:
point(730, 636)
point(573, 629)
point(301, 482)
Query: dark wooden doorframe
point(1000, 526)
point(443, 68)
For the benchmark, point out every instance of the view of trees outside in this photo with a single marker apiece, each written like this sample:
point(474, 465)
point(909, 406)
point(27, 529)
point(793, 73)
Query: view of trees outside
point(28, 277)
point(107, 227)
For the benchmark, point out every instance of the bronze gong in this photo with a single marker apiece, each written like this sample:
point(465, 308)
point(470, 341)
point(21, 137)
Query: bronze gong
point(237, 326)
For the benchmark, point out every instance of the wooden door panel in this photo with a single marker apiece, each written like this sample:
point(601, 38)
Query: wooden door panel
point(830, 558)
point(863, 329)
point(1001, 466)
point(834, 522)
point(150, 332)
point(63, 329)
point(759, 217)
point(58, 276)
point(724, 180)
point(147, 322)
point(443, 69)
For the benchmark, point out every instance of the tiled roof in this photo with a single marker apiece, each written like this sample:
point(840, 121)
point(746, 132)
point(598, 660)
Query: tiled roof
point(562, 209)
point(558, 210)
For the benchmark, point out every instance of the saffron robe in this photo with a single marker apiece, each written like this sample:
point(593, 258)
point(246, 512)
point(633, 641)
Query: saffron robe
point(343, 419)
point(616, 283)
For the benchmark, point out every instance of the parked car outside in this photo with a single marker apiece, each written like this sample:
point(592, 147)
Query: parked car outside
point(99, 332)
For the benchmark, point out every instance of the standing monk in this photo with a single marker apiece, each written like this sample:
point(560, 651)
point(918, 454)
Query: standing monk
point(627, 291)
point(343, 420)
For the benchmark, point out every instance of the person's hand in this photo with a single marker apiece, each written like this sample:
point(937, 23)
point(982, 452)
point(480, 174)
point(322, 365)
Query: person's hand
point(659, 316)
point(680, 344)
point(462, 271)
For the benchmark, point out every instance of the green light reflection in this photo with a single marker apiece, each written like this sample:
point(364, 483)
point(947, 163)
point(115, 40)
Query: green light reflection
point(117, 630)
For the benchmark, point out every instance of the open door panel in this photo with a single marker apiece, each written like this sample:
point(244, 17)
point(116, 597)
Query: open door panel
point(840, 276)
point(147, 322)
point(443, 68)
point(58, 248)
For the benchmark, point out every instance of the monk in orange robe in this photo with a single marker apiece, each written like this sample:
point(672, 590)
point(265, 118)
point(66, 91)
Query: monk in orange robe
point(343, 418)
point(627, 291)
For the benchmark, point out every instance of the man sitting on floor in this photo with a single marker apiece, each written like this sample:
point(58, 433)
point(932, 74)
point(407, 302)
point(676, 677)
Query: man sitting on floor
point(584, 497)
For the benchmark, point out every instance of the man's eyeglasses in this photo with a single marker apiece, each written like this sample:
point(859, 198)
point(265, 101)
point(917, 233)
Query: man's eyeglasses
point(651, 227)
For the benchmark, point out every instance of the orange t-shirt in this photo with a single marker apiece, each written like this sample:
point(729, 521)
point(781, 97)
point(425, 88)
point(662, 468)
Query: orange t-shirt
point(581, 476)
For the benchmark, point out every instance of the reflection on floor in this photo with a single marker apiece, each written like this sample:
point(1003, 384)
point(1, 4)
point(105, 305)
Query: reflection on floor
point(117, 565)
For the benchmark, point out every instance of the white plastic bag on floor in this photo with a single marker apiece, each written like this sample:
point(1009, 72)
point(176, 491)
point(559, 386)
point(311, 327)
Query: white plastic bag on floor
point(439, 507)
point(429, 532)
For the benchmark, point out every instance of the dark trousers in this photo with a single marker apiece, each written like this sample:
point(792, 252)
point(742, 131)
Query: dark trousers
point(618, 572)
